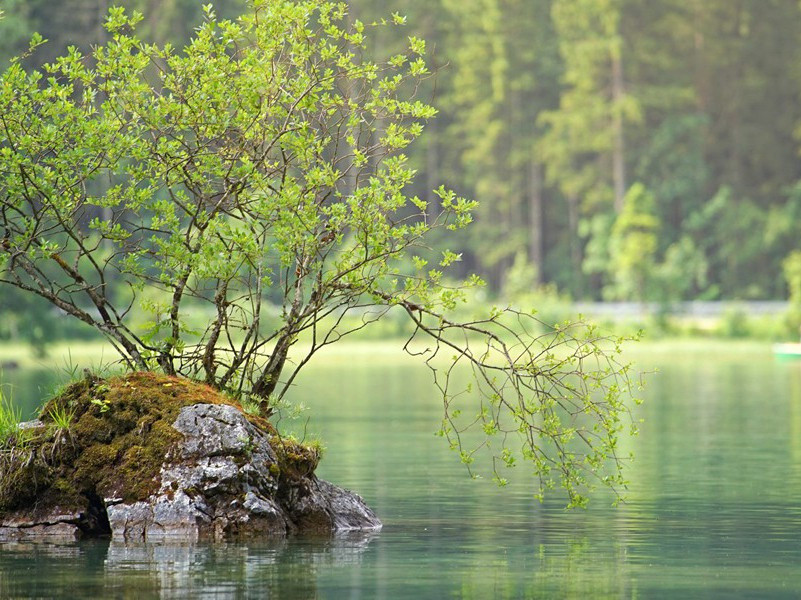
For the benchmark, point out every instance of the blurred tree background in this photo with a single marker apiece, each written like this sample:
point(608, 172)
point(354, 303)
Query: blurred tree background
point(643, 150)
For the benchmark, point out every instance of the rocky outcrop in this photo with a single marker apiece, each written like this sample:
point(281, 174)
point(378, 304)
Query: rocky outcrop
point(224, 475)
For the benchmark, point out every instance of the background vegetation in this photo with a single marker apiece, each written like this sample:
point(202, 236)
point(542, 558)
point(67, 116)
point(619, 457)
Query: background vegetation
point(620, 149)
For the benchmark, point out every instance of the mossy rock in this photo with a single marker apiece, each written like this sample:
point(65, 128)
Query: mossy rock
point(119, 436)
point(168, 455)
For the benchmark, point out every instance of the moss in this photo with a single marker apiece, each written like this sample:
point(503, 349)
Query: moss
point(65, 487)
point(91, 428)
point(23, 482)
point(92, 465)
point(296, 460)
point(121, 433)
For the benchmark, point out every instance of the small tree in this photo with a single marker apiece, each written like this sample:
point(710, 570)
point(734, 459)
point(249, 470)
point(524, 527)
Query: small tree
point(264, 164)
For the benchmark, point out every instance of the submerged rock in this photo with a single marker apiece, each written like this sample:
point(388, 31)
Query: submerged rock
point(141, 461)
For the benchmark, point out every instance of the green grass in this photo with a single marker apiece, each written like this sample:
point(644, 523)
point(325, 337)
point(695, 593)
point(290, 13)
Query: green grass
point(10, 417)
point(62, 417)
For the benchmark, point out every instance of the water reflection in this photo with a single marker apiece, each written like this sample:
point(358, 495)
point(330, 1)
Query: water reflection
point(795, 417)
point(103, 569)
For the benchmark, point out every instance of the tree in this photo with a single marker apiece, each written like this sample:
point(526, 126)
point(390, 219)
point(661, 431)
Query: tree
point(246, 169)
point(633, 246)
point(505, 69)
point(583, 146)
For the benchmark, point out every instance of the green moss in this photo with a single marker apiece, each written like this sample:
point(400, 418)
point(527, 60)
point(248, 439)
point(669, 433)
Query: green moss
point(91, 429)
point(296, 460)
point(120, 434)
point(22, 484)
point(92, 466)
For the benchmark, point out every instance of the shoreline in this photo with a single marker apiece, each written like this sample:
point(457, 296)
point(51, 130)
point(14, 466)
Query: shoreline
point(66, 356)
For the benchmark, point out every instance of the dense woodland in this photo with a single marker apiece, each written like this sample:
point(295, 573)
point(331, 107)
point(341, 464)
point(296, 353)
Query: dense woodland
point(620, 149)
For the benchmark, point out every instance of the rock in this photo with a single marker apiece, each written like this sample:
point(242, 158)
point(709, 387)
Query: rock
point(224, 476)
point(56, 527)
point(320, 506)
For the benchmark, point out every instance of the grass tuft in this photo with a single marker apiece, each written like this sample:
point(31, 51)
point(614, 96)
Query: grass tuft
point(10, 418)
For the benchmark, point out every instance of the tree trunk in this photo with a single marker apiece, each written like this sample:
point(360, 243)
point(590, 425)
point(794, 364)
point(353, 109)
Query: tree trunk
point(618, 152)
point(535, 225)
point(268, 380)
point(432, 169)
point(575, 245)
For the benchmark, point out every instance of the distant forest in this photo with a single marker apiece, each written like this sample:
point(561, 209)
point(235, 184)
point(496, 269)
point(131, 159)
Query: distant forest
point(620, 149)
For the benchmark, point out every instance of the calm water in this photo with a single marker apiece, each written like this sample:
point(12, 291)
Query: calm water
point(714, 507)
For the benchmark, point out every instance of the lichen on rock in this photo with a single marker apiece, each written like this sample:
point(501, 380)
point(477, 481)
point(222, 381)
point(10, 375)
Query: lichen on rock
point(149, 457)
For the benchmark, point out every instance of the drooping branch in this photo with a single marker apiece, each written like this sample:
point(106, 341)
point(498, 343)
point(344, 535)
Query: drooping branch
point(558, 391)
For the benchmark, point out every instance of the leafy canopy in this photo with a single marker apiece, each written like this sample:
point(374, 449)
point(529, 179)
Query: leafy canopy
point(263, 166)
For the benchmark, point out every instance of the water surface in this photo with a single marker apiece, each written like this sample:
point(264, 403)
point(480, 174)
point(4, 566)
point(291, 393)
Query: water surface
point(713, 511)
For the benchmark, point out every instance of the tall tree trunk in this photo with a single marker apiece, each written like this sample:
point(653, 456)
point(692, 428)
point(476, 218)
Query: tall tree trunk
point(535, 225)
point(735, 166)
point(618, 152)
point(514, 171)
point(575, 245)
point(701, 78)
point(432, 168)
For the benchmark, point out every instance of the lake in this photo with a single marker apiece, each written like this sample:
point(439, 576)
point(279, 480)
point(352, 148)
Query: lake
point(713, 510)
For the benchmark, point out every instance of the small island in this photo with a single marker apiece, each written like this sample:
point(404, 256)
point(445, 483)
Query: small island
point(144, 457)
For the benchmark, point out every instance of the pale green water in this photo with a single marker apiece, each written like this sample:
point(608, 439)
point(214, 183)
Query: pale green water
point(714, 509)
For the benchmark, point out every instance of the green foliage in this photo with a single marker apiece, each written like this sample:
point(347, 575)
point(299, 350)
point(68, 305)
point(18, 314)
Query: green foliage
point(522, 289)
point(730, 231)
point(734, 323)
point(251, 406)
point(682, 273)
point(14, 26)
point(568, 431)
point(255, 162)
point(792, 276)
point(542, 102)
point(633, 246)
point(671, 163)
